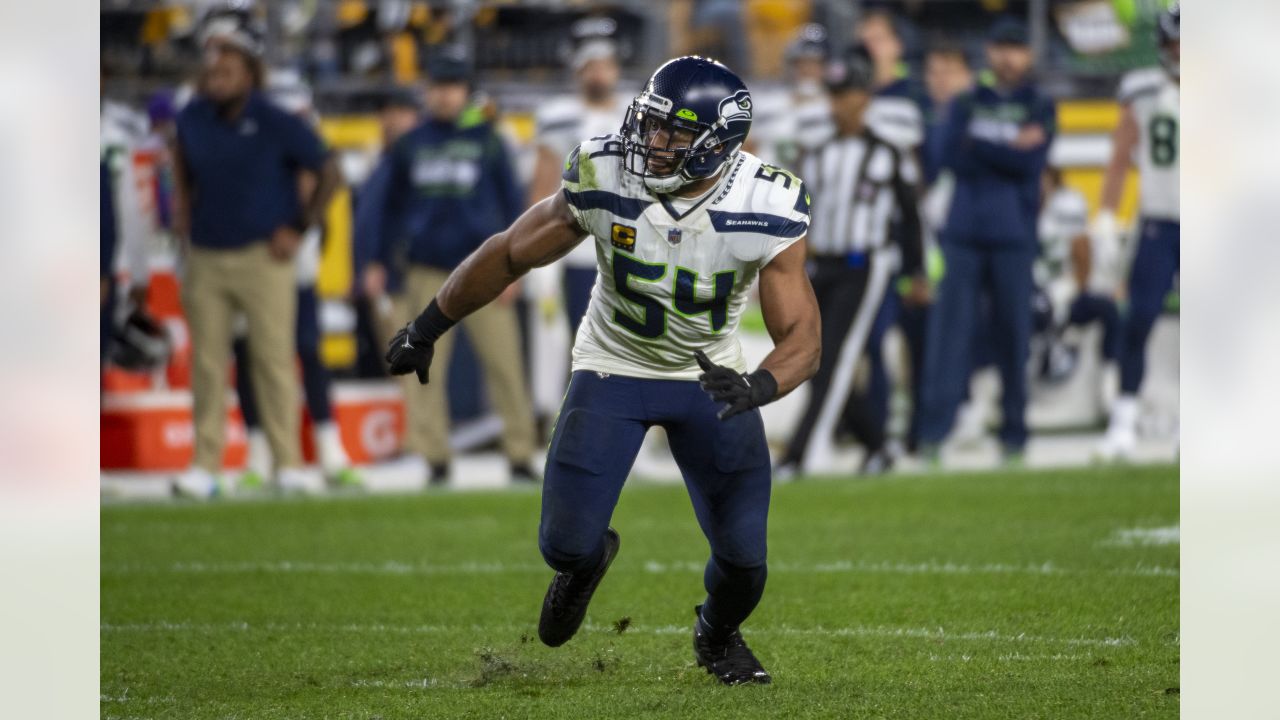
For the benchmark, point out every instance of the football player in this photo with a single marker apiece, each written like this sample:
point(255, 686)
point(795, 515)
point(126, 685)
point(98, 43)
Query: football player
point(683, 222)
point(895, 110)
point(796, 117)
point(1071, 288)
point(1148, 132)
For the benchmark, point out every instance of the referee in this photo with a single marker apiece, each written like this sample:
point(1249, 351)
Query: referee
point(860, 183)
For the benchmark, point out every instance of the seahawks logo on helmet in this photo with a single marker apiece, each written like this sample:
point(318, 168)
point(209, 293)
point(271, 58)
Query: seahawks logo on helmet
point(735, 107)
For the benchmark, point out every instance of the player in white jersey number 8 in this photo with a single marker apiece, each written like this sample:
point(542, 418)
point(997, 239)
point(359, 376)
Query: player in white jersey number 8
point(684, 221)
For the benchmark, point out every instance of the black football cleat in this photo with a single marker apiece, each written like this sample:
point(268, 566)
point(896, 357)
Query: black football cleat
point(877, 462)
point(565, 605)
point(439, 475)
point(727, 658)
point(523, 474)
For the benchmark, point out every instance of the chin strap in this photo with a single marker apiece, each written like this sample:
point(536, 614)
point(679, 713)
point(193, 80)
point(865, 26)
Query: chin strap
point(723, 121)
point(719, 171)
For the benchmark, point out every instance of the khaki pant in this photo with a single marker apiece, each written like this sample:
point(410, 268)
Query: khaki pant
point(219, 285)
point(495, 335)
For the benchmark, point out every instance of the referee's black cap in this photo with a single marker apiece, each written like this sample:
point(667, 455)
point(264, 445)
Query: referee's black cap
point(851, 71)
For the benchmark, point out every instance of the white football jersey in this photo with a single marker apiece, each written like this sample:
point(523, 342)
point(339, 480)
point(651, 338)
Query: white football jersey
point(896, 119)
point(787, 121)
point(1065, 217)
point(1155, 108)
point(560, 124)
point(674, 274)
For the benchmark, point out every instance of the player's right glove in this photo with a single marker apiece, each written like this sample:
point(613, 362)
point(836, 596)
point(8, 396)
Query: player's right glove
point(740, 391)
point(413, 347)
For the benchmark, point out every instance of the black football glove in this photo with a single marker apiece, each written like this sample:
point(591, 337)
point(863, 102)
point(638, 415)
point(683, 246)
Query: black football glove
point(413, 347)
point(740, 391)
point(409, 352)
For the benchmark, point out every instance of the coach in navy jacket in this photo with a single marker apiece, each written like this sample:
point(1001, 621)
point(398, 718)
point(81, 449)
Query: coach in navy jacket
point(443, 189)
point(997, 142)
point(446, 187)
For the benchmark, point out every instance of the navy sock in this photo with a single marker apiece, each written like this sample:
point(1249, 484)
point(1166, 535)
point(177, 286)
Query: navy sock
point(577, 563)
point(732, 593)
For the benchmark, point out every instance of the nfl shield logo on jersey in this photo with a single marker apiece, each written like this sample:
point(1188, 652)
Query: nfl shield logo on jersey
point(673, 236)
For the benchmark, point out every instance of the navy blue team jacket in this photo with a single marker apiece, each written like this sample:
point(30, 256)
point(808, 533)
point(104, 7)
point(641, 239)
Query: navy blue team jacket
point(443, 189)
point(244, 170)
point(997, 195)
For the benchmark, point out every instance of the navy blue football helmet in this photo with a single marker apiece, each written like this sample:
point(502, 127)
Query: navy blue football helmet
point(687, 124)
point(1169, 31)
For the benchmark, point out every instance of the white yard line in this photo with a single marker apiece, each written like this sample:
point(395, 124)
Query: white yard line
point(1142, 537)
point(932, 567)
point(415, 684)
point(123, 697)
point(937, 634)
point(392, 567)
point(881, 631)
point(1012, 657)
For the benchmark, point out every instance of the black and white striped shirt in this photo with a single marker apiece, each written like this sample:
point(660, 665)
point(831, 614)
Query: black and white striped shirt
point(860, 185)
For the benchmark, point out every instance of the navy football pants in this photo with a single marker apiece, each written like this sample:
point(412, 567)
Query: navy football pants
point(1003, 273)
point(1091, 307)
point(1150, 279)
point(725, 465)
point(1086, 308)
point(867, 412)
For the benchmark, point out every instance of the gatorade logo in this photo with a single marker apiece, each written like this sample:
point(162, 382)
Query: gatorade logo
point(378, 433)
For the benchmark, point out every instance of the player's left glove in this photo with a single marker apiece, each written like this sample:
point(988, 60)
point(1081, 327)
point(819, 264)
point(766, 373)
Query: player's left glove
point(741, 391)
point(413, 347)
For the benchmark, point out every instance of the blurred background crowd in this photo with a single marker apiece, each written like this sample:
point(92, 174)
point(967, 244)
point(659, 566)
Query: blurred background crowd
point(286, 183)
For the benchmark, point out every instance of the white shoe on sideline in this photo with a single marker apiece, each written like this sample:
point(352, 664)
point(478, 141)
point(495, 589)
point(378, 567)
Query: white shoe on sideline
point(971, 425)
point(299, 480)
point(196, 483)
point(1121, 439)
point(786, 472)
point(330, 452)
point(257, 453)
point(1118, 446)
point(257, 465)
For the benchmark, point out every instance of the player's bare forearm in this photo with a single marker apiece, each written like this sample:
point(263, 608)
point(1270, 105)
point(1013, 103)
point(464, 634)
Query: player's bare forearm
point(1123, 142)
point(543, 234)
point(791, 316)
point(328, 180)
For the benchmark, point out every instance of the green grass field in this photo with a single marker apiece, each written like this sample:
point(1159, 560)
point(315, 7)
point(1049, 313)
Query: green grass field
point(1003, 595)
